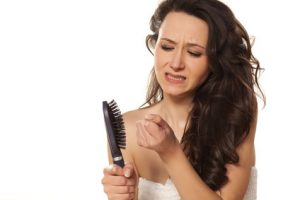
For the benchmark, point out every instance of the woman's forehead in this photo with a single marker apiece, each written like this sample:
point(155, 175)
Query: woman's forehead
point(181, 26)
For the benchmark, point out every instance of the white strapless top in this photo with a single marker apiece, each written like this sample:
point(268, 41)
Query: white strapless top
point(149, 190)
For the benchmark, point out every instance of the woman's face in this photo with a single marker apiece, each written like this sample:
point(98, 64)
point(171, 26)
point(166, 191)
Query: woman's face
point(181, 64)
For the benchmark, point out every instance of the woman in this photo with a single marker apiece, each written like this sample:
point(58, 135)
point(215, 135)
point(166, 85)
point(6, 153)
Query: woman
point(195, 138)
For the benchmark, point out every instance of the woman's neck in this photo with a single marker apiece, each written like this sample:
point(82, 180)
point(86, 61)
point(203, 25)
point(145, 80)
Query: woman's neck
point(175, 111)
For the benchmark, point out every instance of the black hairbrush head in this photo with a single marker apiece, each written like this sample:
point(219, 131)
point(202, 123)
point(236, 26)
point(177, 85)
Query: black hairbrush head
point(115, 130)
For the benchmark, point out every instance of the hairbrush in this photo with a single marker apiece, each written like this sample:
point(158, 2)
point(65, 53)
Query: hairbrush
point(115, 131)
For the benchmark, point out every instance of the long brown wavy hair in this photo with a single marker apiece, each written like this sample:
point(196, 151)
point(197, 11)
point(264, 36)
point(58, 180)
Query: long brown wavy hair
point(225, 105)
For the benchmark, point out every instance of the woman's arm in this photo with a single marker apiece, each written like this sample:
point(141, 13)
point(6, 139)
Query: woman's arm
point(156, 135)
point(239, 174)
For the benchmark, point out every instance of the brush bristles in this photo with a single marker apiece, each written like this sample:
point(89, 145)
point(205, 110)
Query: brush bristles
point(118, 124)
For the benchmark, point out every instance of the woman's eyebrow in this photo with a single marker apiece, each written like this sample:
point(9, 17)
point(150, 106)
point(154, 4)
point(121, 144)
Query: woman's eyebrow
point(188, 44)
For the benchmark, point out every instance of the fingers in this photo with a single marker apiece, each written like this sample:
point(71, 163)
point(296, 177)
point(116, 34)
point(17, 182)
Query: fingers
point(153, 125)
point(128, 170)
point(149, 131)
point(116, 185)
point(127, 196)
point(156, 119)
point(113, 170)
point(119, 189)
point(115, 175)
point(141, 134)
point(118, 181)
point(152, 128)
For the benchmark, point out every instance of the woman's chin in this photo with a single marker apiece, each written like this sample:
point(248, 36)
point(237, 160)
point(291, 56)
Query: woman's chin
point(178, 94)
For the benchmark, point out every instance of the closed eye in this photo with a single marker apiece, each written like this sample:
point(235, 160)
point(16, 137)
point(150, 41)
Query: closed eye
point(194, 54)
point(167, 48)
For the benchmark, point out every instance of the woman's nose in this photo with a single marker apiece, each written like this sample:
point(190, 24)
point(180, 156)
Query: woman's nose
point(177, 61)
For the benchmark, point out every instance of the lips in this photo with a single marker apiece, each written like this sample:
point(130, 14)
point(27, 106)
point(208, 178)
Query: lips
point(175, 78)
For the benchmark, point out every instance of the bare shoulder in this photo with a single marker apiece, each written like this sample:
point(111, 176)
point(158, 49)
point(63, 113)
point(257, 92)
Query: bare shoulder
point(133, 115)
point(130, 118)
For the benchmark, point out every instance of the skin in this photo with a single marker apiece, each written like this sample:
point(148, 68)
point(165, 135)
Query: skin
point(154, 133)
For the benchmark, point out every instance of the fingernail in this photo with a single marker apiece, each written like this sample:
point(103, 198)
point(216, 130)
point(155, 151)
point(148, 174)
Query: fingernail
point(110, 167)
point(146, 123)
point(127, 173)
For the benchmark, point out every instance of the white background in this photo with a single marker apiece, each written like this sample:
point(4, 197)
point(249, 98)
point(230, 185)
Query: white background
point(60, 59)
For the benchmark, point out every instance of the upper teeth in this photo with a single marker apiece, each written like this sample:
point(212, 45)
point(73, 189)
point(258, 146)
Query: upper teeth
point(176, 77)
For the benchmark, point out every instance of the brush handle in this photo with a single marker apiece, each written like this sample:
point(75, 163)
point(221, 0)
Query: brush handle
point(113, 125)
point(118, 161)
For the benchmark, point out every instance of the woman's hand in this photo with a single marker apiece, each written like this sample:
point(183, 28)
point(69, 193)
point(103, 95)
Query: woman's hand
point(154, 133)
point(119, 183)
